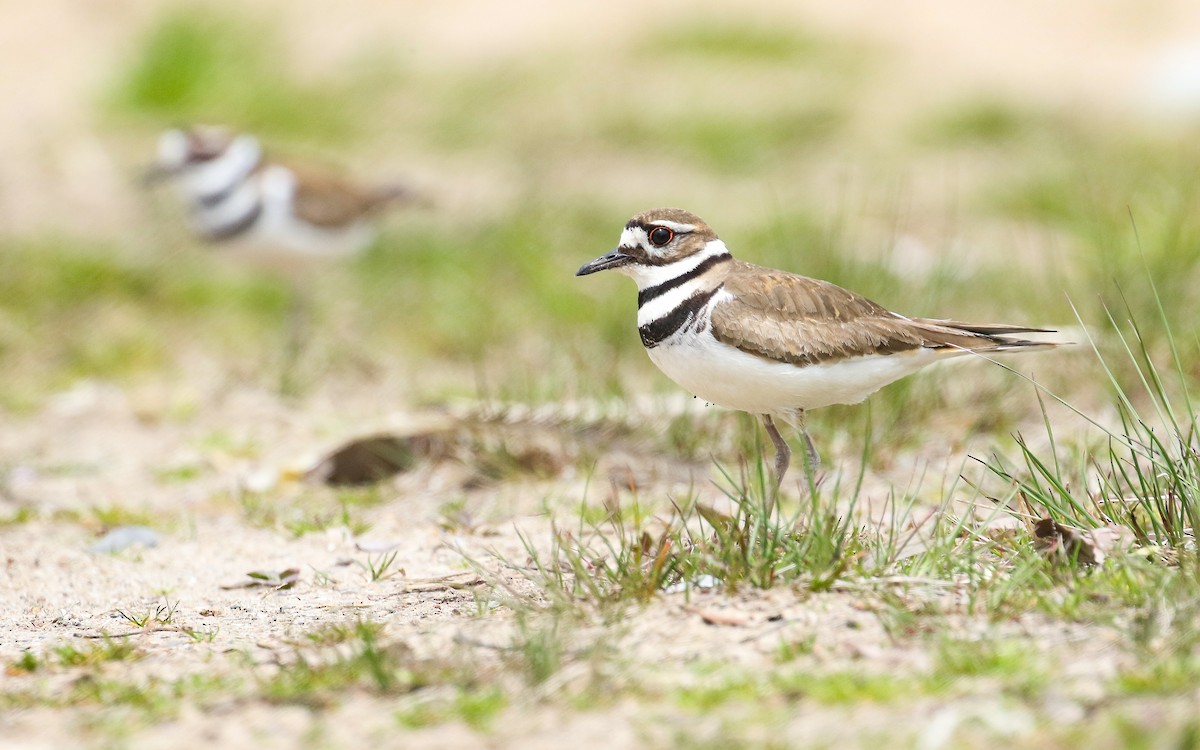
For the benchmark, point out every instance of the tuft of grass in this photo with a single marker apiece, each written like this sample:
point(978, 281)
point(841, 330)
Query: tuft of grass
point(129, 703)
point(161, 614)
point(92, 653)
point(317, 521)
point(26, 662)
point(539, 647)
point(178, 473)
point(476, 707)
point(379, 567)
point(789, 686)
point(1146, 476)
point(112, 516)
point(1011, 663)
point(312, 509)
point(479, 708)
point(317, 674)
point(1173, 673)
point(630, 557)
point(21, 515)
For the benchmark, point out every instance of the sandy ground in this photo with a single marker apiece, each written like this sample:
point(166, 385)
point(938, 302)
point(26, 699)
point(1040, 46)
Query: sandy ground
point(98, 448)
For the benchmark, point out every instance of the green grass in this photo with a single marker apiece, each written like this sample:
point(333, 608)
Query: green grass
point(206, 64)
point(631, 555)
point(162, 614)
point(308, 509)
point(379, 567)
point(75, 308)
point(1123, 202)
point(984, 123)
point(316, 675)
point(478, 709)
point(740, 43)
point(731, 143)
point(1146, 475)
point(1011, 663)
point(79, 654)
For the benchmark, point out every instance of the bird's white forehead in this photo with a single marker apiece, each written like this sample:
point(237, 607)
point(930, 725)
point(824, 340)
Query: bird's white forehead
point(634, 237)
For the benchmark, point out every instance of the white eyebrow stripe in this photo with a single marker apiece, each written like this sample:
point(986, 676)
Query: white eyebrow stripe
point(674, 226)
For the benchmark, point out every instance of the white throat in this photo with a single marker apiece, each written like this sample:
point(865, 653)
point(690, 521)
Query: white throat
point(224, 172)
point(648, 276)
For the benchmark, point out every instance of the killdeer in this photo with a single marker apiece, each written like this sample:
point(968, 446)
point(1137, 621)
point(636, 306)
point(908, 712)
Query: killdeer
point(276, 215)
point(234, 192)
point(769, 342)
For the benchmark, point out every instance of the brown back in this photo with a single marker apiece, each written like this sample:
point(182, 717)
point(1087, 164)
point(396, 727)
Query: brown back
point(802, 321)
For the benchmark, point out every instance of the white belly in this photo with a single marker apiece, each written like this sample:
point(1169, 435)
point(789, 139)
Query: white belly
point(728, 377)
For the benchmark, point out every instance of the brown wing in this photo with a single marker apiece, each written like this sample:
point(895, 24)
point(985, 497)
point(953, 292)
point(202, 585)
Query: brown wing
point(329, 201)
point(803, 321)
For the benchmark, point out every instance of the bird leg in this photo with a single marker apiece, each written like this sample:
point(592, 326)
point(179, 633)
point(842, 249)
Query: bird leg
point(783, 453)
point(814, 458)
point(783, 456)
point(297, 331)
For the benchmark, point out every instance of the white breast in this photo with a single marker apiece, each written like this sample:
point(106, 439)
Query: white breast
point(724, 375)
point(279, 223)
point(206, 179)
point(235, 208)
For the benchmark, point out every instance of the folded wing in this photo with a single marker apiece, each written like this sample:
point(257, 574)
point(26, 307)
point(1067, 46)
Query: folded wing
point(803, 321)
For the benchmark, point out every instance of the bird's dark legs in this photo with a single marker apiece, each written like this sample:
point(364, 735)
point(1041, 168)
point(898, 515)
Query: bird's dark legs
point(814, 458)
point(783, 456)
point(297, 330)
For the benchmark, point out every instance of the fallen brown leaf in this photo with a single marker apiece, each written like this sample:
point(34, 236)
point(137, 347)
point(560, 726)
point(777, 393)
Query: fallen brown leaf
point(1088, 546)
point(372, 459)
point(279, 581)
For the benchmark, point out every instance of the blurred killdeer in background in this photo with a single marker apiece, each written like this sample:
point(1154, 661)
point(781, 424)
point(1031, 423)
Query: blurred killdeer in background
point(275, 216)
point(770, 342)
point(234, 192)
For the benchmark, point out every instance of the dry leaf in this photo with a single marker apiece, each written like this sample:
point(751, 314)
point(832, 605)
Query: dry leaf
point(278, 581)
point(1088, 546)
point(364, 461)
point(370, 459)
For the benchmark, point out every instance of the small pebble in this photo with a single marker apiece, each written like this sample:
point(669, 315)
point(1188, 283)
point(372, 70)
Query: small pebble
point(124, 537)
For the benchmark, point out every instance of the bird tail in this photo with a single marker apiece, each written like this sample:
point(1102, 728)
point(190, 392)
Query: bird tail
point(984, 337)
point(396, 193)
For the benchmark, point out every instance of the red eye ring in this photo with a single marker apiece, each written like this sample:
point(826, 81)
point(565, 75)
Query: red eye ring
point(660, 236)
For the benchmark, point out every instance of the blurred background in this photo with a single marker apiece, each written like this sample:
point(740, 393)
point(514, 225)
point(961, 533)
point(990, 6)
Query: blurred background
point(993, 160)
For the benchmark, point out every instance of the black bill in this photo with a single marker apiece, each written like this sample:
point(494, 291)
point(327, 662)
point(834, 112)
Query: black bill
point(615, 259)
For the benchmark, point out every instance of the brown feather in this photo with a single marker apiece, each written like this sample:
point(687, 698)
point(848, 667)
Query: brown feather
point(803, 321)
point(330, 201)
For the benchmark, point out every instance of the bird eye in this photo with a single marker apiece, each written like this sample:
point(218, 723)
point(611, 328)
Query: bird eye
point(660, 236)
